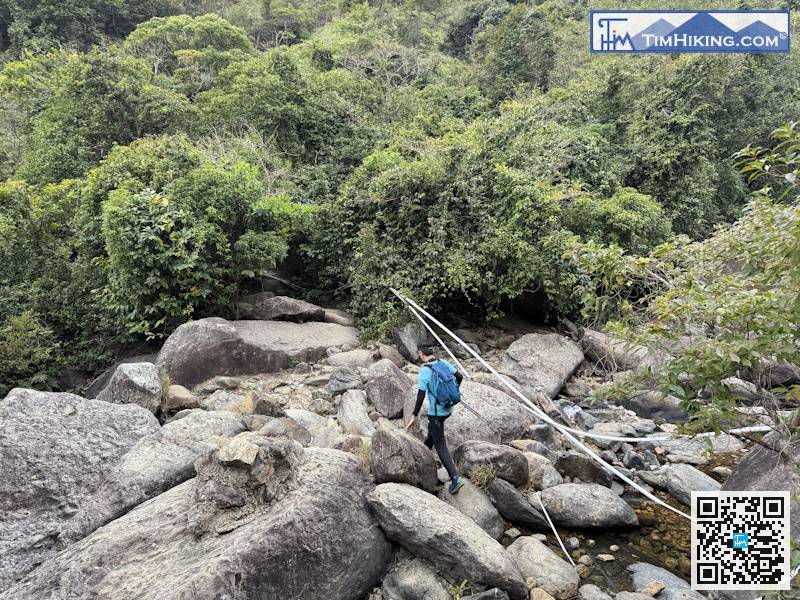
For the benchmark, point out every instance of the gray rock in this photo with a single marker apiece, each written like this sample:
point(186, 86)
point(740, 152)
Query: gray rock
point(675, 588)
point(453, 542)
point(224, 400)
point(698, 450)
point(334, 315)
point(682, 480)
point(179, 398)
point(587, 505)
point(134, 383)
point(310, 421)
point(156, 463)
point(613, 354)
point(199, 350)
point(286, 427)
point(508, 463)
point(541, 362)
point(550, 572)
point(492, 594)
point(101, 381)
point(386, 388)
point(279, 308)
point(631, 596)
point(541, 472)
point(343, 379)
point(506, 418)
point(763, 469)
point(592, 592)
point(400, 457)
point(632, 460)
point(650, 404)
point(152, 553)
point(353, 417)
point(352, 359)
point(414, 579)
point(473, 502)
point(407, 338)
point(577, 464)
point(513, 506)
point(391, 353)
point(543, 432)
point(55, 450)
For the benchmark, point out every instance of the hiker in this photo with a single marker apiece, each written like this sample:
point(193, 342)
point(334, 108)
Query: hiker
point(440, 380)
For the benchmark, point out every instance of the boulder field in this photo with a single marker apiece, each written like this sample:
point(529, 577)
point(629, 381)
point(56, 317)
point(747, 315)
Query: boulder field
point(267, 458)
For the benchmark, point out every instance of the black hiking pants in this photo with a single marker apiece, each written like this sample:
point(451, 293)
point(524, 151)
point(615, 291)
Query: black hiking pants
point(436, 440)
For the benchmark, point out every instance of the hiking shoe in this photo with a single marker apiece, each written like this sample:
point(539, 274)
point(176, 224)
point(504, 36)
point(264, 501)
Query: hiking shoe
point(456, 485)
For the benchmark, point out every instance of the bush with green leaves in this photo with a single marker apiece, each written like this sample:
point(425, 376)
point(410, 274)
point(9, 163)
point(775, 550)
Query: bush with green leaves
point(633, 221)
point(180, 243)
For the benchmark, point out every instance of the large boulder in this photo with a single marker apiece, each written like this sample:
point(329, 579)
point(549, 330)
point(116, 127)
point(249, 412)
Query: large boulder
point(353, 417)
point(55, 450)
point(450, 540)
point(352, 359)
point(386, 388)
point(508, 463)
point(199, 350)
point(680, 481)
point(473, 502)
point(134, 383)
point(279, 308)
point(400, 457)
point(541, 362)
point(156, 463)
point(613, 354)
point(316, 522)
point(414, 579)
point(407, 338)
point(514, 507)
point(572, 463)
point(587, 505)
point(505, 419)
point(549, 571)
point(541, 472)
point(765, 470)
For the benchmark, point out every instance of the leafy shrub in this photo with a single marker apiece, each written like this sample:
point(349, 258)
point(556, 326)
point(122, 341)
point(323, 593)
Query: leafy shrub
point(27, 351)
point(184, 244)
point(634, 221)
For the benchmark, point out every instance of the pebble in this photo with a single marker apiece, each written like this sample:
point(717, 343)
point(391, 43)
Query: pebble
point(721, 471)
point(652, 588)
point(605, 557)
point(513, 533)
point(586, 560)
point(583, 570)
point(572, 543)
point(590, 543)
point(540, 594)
point(614, 548)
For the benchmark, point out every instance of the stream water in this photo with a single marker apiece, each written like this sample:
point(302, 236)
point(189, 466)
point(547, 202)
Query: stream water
point(662, 539)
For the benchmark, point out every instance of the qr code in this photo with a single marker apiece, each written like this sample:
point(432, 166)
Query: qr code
point(740, 540)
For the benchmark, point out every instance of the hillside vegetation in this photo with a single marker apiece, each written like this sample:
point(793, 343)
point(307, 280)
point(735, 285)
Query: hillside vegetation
point(158, 158)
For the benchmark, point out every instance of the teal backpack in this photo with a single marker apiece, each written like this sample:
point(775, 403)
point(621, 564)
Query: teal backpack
point(443, 386)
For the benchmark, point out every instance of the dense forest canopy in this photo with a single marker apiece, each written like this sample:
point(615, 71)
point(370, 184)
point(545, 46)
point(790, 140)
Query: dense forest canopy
point(158, 157)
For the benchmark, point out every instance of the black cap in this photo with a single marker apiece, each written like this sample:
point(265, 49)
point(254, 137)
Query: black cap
point(425, 347)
